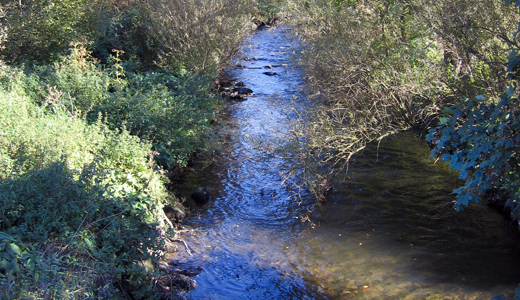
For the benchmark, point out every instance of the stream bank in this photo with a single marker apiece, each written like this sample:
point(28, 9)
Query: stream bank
point(388, 231)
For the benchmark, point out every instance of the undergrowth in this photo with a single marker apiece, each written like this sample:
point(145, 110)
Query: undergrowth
point(80, 202)
point(377, 67)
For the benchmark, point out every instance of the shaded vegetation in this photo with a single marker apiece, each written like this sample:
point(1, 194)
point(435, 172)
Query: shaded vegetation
point(479, 137)
point(75, 199)
point(380, 67)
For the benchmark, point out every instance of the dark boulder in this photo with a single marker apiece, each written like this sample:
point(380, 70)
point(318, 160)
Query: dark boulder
point(233, 90)
point(244, 91)
point(201, 195)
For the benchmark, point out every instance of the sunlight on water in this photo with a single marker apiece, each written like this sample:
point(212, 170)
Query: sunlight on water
point(388, 231)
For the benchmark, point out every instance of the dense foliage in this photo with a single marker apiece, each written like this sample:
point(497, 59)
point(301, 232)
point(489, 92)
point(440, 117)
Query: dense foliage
point(378, 67)
point(479, 137)
point(99, 98)
point(70, 192)
point(41, 30)
point(197, 34)
point(171, 110)
point(98, 101)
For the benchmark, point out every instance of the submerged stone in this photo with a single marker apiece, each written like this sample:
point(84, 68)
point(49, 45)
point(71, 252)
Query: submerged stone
point(201, 195)
point(244, 91)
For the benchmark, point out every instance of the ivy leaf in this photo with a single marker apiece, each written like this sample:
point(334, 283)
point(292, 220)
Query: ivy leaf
point(445, 157)
point(433, 153)
point(457, 112)
point(513, 58)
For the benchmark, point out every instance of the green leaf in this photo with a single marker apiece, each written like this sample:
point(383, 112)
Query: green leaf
point(5, 236)
point(14, 249)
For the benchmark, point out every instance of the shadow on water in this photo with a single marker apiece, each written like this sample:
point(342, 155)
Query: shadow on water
point(399, 198)
point(388, 231)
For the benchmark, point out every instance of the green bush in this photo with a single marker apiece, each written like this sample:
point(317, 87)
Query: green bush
point(41, 30)
point(378, 67)
point(81, 195)
point(480, 139)
point(374, 68)
point(172, 111)
point(476, 36)
point(76, 82)
point(71, 233)
point(79, 203)
point(126, 28)
point(198, 35)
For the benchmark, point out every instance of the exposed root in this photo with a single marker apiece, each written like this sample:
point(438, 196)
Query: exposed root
point(184, 243)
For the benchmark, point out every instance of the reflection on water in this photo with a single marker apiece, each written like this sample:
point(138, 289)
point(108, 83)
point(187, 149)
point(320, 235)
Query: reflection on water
point(387, 232)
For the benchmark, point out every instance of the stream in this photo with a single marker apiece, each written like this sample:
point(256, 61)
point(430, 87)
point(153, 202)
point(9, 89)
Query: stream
point(388, 231)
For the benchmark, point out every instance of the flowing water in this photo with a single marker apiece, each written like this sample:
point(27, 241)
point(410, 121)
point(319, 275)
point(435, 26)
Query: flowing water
point(386, 232)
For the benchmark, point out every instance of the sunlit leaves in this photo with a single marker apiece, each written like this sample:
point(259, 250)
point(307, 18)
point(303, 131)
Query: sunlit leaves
point(42, 30)
point(84, 187)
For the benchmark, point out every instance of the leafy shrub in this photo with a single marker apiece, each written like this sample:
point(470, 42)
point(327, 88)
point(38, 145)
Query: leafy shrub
point(30, 147)
point(127, 29)
point(480, 139)
point(271, 11)
point(81, 196)
point(76, 82)
point(40, 30)
point(59, 225)
point(375, 69)
point(476, 36)
point(479, 136)
point(172, 111)
point(74, 199)
point(35, 139)
point(198, 34)
point(378, 67)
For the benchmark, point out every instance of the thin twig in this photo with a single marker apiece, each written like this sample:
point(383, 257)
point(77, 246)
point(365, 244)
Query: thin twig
point(184, 243)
